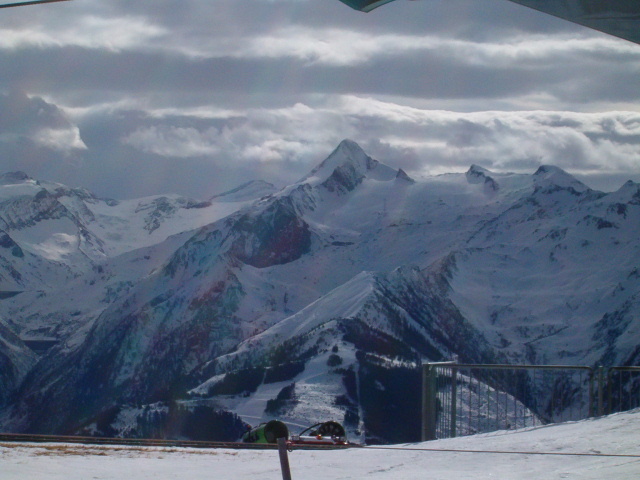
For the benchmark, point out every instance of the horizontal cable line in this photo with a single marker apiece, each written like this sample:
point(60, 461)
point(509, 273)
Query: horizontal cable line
point(505, 452)
point(23, 4)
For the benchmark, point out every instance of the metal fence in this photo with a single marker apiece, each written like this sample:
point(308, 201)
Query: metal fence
point(623, 390)
point(464, 399)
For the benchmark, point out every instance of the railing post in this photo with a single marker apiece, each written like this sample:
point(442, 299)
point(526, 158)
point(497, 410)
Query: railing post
point(592, 378)
point(610, 391)
point(454, 400)
point(600, 391)
point(428, 402)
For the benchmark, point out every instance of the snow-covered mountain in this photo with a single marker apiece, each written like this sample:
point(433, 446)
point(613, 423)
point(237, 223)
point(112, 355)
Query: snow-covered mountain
point(312, 302)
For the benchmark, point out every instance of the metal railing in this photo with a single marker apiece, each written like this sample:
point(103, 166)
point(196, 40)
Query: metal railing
point(623, 389)
point(464, 399)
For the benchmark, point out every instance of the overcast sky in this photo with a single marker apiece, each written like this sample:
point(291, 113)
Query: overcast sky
point(133, 98)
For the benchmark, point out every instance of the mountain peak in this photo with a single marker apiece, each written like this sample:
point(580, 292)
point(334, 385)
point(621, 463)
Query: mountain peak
point(629, 185)
point(549, 175)
point(628, 193)
point(347, 152)
point(477, 174)
point(477, 170)
point(12, 178)
point(547, 170)
point(402, 175)
point(346, 167)
point(350, 147)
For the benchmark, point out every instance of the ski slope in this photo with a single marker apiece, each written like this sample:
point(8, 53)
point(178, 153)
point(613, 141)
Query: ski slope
point(585, 450)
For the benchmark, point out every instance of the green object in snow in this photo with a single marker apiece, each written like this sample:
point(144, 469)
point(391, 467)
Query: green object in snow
point(268, 432)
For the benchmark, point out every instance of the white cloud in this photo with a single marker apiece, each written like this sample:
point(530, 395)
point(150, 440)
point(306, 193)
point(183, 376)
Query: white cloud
point(341, 47)
point(580, 142)
point(35, 121)
point(174, 141)
point(291, 134)
point(60, 139)
point(88, 32)
point(419, 141)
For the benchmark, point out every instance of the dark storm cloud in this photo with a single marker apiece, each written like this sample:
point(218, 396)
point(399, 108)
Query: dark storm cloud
point(34, 125)
point(461, 19)
point(311, 46)
point(254, 48)
point(443, 73)
point(24, 115)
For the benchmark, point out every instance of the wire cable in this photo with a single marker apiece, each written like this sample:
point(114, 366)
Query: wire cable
point(35, 2)
point(506, 452)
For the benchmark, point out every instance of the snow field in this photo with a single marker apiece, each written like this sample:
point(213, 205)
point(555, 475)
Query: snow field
point(608, 448)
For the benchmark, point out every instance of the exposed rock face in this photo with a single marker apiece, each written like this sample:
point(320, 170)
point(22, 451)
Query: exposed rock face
point(16, 359)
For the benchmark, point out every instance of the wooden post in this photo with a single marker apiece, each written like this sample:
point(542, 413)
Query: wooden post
point(284, 458)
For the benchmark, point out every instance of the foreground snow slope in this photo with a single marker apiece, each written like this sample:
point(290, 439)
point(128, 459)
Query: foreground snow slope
point(604, 441)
